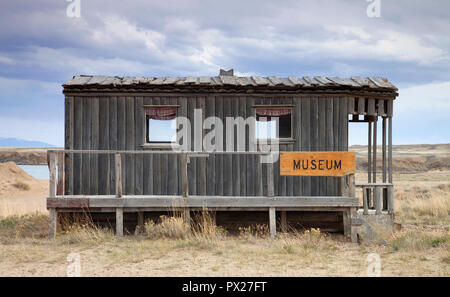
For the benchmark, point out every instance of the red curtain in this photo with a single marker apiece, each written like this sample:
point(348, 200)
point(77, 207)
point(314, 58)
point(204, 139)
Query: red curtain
point(161, 113)
point(273, 111)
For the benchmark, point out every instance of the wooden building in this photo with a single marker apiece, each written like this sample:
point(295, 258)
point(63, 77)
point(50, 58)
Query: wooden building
point(114, 121)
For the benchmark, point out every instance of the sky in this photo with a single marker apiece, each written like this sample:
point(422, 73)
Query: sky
point(41, 47)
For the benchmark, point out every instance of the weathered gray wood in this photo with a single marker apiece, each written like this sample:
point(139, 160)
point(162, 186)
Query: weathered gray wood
point(380, 108)
point(68, 141)
point(371, 107)
point(314, 141)
point(119, 221)
point(104, 137)
point(336, 141)
point(219, 158)
point(86, 124)
point(235, 168)
point(227, 159)
point(121, 134)
point(201, 162)
point(140, 218)
point(207, 201)
point(351, 185)
point(353, 231)
point(130, 145)
point(270, 180)
point(118, 175)
point(390, 193)
point(377, 200)
point(210, 161)
point(53, 222)
point(347, 223)
point(242, 159)
point(52, 171)
point(390, 107)
point(113, 143)
point(361, 105)
point(390, 179)
point(157, 189)
point(192, 167)
point(322, 142)
point(375, 128)
point(60, 180)
point(187, 216)
point(329, 139)
point(284, 227)
point(184, 175)
point(365, 202)
point(351, 105)
point(78, 141)
point(305, 142)
point(250, 159)
point(95, 131)
point(272, 222)
point(139, 141)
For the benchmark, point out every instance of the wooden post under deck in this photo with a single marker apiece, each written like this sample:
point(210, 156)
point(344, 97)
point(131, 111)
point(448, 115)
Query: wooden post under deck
point(272, 222)
point(53, 214)
point(376, 190)
point(369, 162)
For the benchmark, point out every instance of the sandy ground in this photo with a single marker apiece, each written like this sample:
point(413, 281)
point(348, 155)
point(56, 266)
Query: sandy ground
point(422, 248)
point(14, 201)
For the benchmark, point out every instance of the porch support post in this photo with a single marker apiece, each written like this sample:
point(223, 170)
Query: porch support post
point(272, 222)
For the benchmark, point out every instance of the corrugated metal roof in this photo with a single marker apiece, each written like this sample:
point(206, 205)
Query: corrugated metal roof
point(228, 80)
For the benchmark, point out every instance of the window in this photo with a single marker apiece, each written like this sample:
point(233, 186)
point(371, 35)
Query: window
point(269, 118)
point(160, 124)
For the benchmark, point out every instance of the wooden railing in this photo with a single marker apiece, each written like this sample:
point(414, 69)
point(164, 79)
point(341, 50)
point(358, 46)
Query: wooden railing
point(373, 194)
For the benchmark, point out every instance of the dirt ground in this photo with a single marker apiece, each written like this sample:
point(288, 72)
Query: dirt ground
point(421, 248)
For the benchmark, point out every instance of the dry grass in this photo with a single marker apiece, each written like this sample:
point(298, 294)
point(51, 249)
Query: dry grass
point(21, 186)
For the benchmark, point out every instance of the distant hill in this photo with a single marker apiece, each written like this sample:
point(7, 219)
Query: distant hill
point(23, 143)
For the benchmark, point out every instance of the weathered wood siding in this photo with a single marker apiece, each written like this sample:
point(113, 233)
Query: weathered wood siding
point(118, 123)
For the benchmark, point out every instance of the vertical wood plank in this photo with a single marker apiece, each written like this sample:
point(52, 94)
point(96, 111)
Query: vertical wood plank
point(86, 145)
point(60, 184)
point(95, 131)
point(118, 171)
point(235, 169)
point(173, 170)
point(329, 122)
point(322, 142)
point(130, 145)
point(77, 145)
point(121, 134)
point(148, 158)
point(192, 167)
point(272, 222)
point(227, 159)
point(104, 138)
point(52, 170)
point(201, 162)
point(184, 174)
point(297, 126)
point(314, 138)
point(211, 160)
point(243, 158)
point(139, 141)
point(119, 221)
point(157, 189)
point(306, 142)
point(219, 158)
point(250, 182)
point(53, 222)
point(113, 143)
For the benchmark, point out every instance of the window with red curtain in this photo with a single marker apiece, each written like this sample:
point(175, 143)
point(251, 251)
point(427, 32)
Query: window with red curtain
point(161, 123)
point(266, 122)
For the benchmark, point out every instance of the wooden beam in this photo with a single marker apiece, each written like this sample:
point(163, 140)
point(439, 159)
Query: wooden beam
point(118, 174)
point(272, 222)
point(283, 221)
point(184, 175)
point(52, 169)
point(60, 184)
point(128, 201)
point(365, 202)
point(53, 223)
point(119, 221)
point(270, 179)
